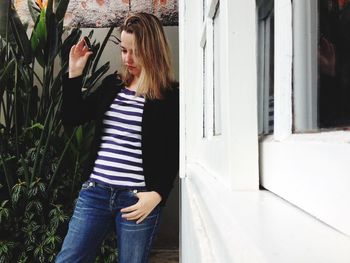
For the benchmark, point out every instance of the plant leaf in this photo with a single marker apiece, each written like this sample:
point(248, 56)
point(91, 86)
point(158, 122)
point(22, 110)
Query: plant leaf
point(96, 76)
point(4, 14)
point(6, 73)
point(100, 51)
point(8, 176)
point(19, 32)
point(34, 12)
point(51, 48)
point(61, 9)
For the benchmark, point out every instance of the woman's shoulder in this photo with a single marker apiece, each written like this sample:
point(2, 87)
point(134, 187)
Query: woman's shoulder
point(172, 92)
point(110, 83)
point(113, 79)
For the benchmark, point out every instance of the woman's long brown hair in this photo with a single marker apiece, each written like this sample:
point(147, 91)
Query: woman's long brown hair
point(153, 52)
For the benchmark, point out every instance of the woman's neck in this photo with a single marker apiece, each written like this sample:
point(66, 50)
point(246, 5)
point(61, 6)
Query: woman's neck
point(133, 84)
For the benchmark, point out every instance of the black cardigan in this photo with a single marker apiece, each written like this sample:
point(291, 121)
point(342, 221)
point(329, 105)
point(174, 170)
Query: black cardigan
point(160, 128)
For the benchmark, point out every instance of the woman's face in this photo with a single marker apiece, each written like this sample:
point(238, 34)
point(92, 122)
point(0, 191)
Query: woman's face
point(129, 58)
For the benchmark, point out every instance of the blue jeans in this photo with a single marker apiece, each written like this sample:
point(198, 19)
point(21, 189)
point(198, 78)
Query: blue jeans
point(97, 211)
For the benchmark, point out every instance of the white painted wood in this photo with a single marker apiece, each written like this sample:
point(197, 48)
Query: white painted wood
point(252, 226)
point(212, 150)
point(283, 69)
point(257, 226)
point(312, 172)
point(240, 70)
point(201, 250)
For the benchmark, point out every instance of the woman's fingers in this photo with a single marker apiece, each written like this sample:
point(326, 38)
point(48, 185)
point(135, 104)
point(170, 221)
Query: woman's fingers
point(79, 48)
point(134, 212)
point(142, 218)
point(130, 208)
point(136, 215)
point(80, 44)
point(86, 56)
point(78, 57)
point(133, 215)
point(71, 52)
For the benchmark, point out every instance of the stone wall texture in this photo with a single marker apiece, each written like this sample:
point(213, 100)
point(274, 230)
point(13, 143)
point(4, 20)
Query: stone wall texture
point(107, 13)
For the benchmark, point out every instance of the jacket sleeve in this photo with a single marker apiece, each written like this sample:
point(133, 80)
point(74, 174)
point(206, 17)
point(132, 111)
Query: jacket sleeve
point(77, 110)
point(170, 166)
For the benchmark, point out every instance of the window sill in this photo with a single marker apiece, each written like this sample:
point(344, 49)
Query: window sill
point(254, 226)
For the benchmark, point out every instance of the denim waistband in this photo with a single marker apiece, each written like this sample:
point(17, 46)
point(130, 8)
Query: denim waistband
point(114, 187)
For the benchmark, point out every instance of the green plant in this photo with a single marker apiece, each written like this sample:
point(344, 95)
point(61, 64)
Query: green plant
point(40, 161)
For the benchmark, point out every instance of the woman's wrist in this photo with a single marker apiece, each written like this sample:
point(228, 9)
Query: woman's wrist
point(74, 74)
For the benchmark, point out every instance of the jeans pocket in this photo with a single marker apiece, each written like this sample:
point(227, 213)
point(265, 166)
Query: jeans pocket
point(127, 198)
point(133, 193)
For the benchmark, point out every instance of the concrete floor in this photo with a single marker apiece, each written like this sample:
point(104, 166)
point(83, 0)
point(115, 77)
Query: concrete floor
point(164, 256)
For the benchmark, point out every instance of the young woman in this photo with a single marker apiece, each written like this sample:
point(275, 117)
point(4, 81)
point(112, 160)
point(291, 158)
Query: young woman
point(135, 154)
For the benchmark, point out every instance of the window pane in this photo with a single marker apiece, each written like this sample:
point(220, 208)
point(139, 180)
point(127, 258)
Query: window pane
point(203, 10)
point(216, 65)
point(334, 63)
point(204, 90)
point(266, 67)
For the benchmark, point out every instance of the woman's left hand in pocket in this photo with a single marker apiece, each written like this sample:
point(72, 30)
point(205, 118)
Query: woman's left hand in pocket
point(145, 205)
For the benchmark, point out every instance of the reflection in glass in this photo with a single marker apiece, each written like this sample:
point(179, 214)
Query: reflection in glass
point(334, 63)
point(216, 69)
point(266, 39)
point(204, 91)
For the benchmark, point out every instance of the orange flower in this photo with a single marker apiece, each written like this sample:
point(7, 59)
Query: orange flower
point(42, 3)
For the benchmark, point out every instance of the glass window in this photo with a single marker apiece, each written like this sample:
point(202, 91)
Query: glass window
point(266, 66)
point(334, 63)
point(204, 90)
point(210, 43)
point(321, 77)
point(216, 65)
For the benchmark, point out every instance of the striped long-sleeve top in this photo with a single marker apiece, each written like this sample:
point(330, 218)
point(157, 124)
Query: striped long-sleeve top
point(119, 159)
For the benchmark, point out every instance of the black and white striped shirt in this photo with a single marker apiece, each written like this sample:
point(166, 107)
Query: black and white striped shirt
point(119, 159)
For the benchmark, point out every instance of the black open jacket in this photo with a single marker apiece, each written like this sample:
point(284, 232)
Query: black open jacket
point(160, 128)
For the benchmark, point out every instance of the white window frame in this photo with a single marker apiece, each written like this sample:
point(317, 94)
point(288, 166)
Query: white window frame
point(207, 45)
point(309, 170)
point(212, 149)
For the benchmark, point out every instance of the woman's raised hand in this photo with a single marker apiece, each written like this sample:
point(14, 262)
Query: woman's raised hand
point(78, 57)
